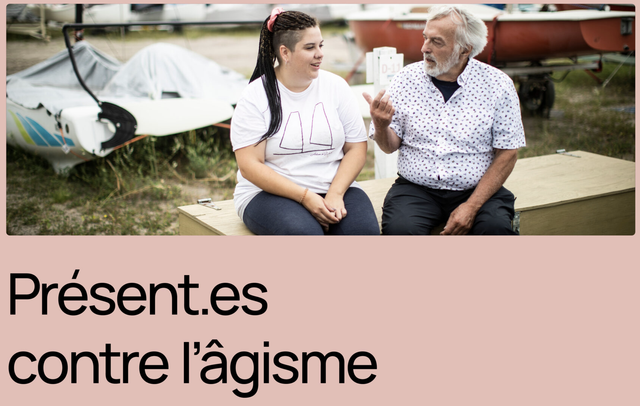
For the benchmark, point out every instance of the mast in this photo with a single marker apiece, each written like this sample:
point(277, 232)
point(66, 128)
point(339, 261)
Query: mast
point(79, 33)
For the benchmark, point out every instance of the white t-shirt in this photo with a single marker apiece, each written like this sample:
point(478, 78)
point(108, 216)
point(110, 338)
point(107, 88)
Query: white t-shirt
point(308, 147)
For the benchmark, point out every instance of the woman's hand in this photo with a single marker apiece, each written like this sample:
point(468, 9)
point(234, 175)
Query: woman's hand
point(317, 206)
point(355, 155)
point(335, 204)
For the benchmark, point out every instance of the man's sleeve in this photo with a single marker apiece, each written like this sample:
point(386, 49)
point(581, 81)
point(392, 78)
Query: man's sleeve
point(508, 131)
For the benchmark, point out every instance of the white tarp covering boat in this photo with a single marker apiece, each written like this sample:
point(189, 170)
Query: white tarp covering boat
point(168, 89)
point(157, 70)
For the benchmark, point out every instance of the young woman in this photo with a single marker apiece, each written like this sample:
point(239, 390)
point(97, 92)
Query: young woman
point(299, 139)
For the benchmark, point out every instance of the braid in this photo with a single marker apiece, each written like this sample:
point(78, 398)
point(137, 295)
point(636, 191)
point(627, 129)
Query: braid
point(286, 31)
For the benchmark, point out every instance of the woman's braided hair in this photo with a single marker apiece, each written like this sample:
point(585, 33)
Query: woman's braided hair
point(287, 31)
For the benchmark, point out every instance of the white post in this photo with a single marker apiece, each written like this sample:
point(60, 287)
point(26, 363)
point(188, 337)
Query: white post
point(382, 65)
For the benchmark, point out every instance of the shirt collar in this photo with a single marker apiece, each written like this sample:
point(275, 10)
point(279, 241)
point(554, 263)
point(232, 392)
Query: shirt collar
point(463, 77)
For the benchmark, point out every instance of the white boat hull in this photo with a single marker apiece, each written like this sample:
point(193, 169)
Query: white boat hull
point(98, 14)
point(77, 135)
point(36, 131)
point(172, 12)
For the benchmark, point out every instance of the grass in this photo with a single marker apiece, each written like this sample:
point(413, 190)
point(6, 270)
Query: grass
point(368, 172)
point(587, 116)
point(133, 191)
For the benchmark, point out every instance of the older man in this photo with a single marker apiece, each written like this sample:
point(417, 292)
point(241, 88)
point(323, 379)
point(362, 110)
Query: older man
point(457, 125)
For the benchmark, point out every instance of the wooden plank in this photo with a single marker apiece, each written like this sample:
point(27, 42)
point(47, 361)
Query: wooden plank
point(190, 226)
point(556, 179)
point(605, 215)
point(556, 195)
point(226, 222)
point(215, 222)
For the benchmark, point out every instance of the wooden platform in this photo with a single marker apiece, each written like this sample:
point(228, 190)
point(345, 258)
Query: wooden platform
point(555, 195)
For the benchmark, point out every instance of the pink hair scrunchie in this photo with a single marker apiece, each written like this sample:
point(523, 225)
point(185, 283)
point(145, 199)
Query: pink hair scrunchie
point(274, 14)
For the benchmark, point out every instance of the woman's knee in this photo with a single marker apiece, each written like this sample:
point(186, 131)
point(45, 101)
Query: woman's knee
point(361, 217)
point(299, 228)
point(268, 214)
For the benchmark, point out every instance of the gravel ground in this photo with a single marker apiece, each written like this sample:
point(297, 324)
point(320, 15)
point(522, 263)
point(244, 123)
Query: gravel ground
point(236, 52)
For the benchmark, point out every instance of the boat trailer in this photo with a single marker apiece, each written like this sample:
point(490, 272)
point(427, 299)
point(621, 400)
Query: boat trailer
point(536, 87)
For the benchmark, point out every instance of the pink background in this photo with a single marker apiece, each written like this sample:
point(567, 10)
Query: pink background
point(451, 321)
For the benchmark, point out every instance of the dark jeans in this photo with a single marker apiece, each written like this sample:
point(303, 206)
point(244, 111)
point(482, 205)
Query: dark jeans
point(269, 214)
point(411, 209)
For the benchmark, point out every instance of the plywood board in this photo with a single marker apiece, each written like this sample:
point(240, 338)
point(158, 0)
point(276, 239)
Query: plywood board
point(585, 194)
point(605, 215)
point(558, 179)
point(219, 222)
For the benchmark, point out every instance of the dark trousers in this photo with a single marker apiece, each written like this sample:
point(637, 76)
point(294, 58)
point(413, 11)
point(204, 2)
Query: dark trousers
point(268, 214)
point(411, 209)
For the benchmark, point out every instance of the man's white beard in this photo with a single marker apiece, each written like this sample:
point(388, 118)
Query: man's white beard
point(441, 67)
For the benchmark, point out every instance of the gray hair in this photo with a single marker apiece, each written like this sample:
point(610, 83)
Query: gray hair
point(471, 31)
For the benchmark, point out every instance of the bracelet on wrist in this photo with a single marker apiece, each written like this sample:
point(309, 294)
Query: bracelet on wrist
point(304, 194)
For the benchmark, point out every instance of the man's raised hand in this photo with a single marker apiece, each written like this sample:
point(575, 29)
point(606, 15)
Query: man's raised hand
point(380, 108)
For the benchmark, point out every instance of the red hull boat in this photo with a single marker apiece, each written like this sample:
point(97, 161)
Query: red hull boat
point(612, 7)
point(516, 37)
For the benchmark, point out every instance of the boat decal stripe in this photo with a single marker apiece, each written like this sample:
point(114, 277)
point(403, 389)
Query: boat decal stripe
point(44, 133)
point(67, 141)
point(32, 133)
point(23, 132)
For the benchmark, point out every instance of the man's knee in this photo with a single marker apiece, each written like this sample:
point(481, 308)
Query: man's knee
point(402, 220)
point(496, 215)
point(401, 225)
point(493, 226)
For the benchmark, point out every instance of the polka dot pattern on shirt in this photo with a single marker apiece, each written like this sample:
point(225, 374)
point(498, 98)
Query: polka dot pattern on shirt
point(450, 145)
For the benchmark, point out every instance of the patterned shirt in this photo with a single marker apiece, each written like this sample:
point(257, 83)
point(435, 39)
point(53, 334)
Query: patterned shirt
point(449, 145)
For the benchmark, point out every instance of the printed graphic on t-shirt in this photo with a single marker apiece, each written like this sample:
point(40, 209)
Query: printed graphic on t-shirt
point(295, 141)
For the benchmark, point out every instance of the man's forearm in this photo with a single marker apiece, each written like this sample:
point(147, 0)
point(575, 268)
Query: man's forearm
point(497, 173)
point(387, 139)
point(462, 218)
